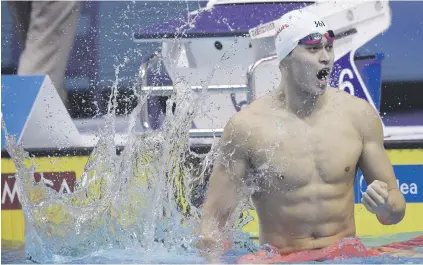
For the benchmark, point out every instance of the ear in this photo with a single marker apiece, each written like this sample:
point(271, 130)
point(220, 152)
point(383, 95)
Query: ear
point(285, 62)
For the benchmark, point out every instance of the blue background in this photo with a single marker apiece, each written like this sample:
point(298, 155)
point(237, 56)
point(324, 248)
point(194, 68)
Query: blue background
point(405, 174)
point(402, 43)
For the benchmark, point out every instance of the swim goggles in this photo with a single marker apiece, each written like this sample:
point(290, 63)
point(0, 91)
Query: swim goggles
point(316, 38)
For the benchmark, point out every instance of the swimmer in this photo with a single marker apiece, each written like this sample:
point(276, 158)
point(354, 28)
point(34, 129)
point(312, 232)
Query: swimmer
point(300, 145)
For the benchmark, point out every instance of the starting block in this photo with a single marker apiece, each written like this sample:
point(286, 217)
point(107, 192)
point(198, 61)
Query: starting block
point(33, 111)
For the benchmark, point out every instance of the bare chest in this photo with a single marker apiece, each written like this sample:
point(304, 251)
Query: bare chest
point(295, 154)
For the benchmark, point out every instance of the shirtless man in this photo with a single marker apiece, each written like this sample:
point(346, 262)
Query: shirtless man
point(299, 147)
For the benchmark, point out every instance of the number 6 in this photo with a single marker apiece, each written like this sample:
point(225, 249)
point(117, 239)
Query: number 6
point(346, 84)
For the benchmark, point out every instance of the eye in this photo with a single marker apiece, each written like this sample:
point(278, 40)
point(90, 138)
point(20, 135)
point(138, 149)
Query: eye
point(314, 48)
point(329, 47)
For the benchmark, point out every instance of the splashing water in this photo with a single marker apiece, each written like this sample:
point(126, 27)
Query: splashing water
point(134, 202)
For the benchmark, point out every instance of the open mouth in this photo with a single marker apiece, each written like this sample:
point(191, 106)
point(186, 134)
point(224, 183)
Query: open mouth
point(323, 74)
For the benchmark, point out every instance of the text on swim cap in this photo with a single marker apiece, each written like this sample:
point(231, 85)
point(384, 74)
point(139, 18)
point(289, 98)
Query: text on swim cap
point(281, 28)
point(319, 23)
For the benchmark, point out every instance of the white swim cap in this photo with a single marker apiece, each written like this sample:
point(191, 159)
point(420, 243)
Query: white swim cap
point(292, 27)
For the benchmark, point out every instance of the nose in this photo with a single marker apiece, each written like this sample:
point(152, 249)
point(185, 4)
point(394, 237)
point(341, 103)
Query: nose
point(324, 57)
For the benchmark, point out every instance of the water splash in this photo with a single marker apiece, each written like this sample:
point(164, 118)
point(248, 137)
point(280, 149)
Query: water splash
point(138, 202)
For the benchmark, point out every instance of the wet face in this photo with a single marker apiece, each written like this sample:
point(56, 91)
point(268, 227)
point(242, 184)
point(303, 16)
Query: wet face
point(309, 66)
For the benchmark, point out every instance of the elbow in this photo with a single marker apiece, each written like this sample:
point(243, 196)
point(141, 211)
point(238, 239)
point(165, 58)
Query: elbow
point(396, 213)
point(399, 208)
point(391, 219)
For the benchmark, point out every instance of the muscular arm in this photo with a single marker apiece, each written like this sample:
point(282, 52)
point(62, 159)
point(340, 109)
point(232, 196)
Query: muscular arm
point(376, 166)
point(224, 189)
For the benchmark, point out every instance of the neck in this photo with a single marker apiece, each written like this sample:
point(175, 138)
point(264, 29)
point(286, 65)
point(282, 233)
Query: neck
point(298, 101)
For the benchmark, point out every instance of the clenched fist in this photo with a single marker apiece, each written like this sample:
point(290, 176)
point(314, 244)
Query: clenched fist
point(375, 198)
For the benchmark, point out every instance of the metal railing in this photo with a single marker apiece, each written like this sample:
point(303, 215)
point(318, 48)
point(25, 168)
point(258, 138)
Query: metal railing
point(251, 82)
point(142, 81)
point(145, 89)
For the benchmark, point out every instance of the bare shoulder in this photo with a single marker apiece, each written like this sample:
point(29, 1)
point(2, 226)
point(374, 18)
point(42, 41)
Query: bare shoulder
point(248, 115)
point(354, 105)
point(243, 121)
point(361, 113)
point(236, 124)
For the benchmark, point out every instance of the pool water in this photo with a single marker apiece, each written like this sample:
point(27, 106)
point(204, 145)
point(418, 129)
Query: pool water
point(161, 255)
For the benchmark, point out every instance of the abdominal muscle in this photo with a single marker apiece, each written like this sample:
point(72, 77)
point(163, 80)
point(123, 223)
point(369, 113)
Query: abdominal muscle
point(311, 222)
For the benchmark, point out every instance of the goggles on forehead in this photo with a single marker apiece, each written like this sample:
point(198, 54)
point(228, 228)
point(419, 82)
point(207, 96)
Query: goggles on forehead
point(316, 38)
